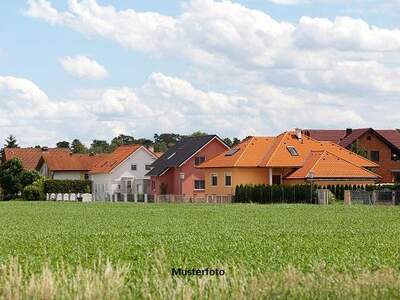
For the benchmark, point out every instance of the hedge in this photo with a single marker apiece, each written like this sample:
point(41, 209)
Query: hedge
point(32, 193)
point(67, 186)
point(275, 194)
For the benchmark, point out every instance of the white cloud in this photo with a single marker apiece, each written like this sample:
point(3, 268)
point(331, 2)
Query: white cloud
point(246, 72)
point(83, 67)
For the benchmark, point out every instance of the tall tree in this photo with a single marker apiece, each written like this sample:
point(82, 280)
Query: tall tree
point(10, 178)
point(164, 141)
point(100, 146)
point(63, 144)
point(123, 140)
point(145, 142)
point(235, 141)
point(78, 147)
point(228, 141)
point(11, 142)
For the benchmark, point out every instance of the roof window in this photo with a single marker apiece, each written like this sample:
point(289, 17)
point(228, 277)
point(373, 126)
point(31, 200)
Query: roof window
point(292, 150)
point(232, 152)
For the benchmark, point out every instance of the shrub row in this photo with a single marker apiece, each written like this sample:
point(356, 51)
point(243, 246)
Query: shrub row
point(67, 186)
point(275, 194)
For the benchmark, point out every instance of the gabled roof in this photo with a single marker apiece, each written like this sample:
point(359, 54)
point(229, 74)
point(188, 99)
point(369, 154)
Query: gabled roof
point(324, 164)
point(30, 157)
point(389, 136)
point(64, 161)
point(274, 152)
point(114, 159)
point(180, 153)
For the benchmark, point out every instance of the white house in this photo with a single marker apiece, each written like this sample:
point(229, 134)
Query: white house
point(121, 175)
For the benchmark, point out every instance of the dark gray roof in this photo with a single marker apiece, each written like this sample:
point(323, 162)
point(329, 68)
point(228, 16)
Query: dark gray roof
point(183, 150)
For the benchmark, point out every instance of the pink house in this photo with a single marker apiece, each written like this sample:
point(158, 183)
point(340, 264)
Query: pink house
point(175, 172)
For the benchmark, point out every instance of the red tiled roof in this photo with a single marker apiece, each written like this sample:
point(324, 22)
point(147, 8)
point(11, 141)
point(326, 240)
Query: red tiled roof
point(390, 136)
point(114, 159)
point(30, 157)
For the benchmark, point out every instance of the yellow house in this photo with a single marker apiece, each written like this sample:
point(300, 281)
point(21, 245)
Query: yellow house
point(289, 158)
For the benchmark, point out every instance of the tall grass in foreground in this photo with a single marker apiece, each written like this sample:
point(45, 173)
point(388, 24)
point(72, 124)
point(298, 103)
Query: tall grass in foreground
point(111, 281)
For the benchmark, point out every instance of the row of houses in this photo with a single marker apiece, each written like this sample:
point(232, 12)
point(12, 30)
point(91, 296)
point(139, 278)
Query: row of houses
point(204, 166)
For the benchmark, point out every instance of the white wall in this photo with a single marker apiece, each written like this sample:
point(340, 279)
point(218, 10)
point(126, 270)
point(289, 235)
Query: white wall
point(67, 175)
point(108, 183)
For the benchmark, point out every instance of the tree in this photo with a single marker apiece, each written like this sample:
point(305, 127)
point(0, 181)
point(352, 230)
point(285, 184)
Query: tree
point(235, 142)
point(78, 147)
point(122, 140)
point(145, 142)
point(28, 178)
point(198, 133)
point(100, 146)
point(63, 144)
point(11, 142)
point(10, 178)
point(228, 142)
point(358, 150)
point(164, 141)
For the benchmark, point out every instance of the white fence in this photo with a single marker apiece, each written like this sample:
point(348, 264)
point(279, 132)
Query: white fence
point(69, 197)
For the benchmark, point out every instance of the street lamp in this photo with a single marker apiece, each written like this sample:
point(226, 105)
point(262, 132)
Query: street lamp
point(310, 177)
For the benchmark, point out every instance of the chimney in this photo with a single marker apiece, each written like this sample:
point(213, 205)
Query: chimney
point(298, 133)
point(349, 131)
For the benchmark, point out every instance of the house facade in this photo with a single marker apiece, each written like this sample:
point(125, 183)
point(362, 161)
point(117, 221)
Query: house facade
point(176, 172)
point(380, 146)
point(290, 158)
point(121, 175)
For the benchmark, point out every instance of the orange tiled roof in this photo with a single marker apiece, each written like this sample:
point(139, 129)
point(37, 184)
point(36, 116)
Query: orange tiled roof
point(64, 161)
point(114, 159)
point(325, 164)
point(30, 157)
point(273, 152)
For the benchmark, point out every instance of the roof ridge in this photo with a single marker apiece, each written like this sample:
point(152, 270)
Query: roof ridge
point(276, 147)
point(317, 161)
point(240, 156)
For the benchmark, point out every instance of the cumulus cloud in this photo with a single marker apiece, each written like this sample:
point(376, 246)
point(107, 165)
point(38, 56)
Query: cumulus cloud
point(83, 67)
point(246, 72)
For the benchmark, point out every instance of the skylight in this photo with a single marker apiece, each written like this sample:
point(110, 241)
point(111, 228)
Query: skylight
point(232, 152)
point(293, 151)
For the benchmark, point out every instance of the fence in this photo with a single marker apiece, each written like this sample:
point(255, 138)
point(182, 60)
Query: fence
point(191, 199)
point(385, 196)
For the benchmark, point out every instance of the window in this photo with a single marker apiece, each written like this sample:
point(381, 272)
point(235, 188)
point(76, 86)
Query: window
point(276, 179)
point(129, 184)
point(395, 156)
point(199, 184)
point(133, 167)
point(369, 138)
point(375, 155)
point(292, 150)
point(86, 176)
point(198, 160)
point(148, 167)
point(232, 152)
point(228, 179)
point(214, 180)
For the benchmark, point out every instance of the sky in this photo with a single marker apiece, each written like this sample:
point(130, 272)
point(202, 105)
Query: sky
point(94, 69)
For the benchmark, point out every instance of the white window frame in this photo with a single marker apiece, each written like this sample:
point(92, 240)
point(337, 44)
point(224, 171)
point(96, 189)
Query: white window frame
point(194, 184)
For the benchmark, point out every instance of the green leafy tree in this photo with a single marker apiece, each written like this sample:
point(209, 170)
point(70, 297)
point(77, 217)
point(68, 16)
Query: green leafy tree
point(11, 142)
point(100, 146)
point(228, 142)
point(29, 177)
point(358, 150)
point(78, 147)
point(235, 142)
point(198, 133)
point(145, 142)
point(63, 144)
point(122, 140)
point(164, 141)
point(10, 178)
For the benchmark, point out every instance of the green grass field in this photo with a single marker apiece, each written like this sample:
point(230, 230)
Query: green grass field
point(276, 250)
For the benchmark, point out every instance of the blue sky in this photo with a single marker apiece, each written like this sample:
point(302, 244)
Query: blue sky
point(231, 68)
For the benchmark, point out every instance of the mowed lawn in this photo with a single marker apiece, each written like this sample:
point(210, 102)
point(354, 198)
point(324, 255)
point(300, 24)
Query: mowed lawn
point(256, 239)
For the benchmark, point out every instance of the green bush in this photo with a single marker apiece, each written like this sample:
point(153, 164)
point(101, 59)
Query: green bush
point(67, 186)
point(32, 193)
